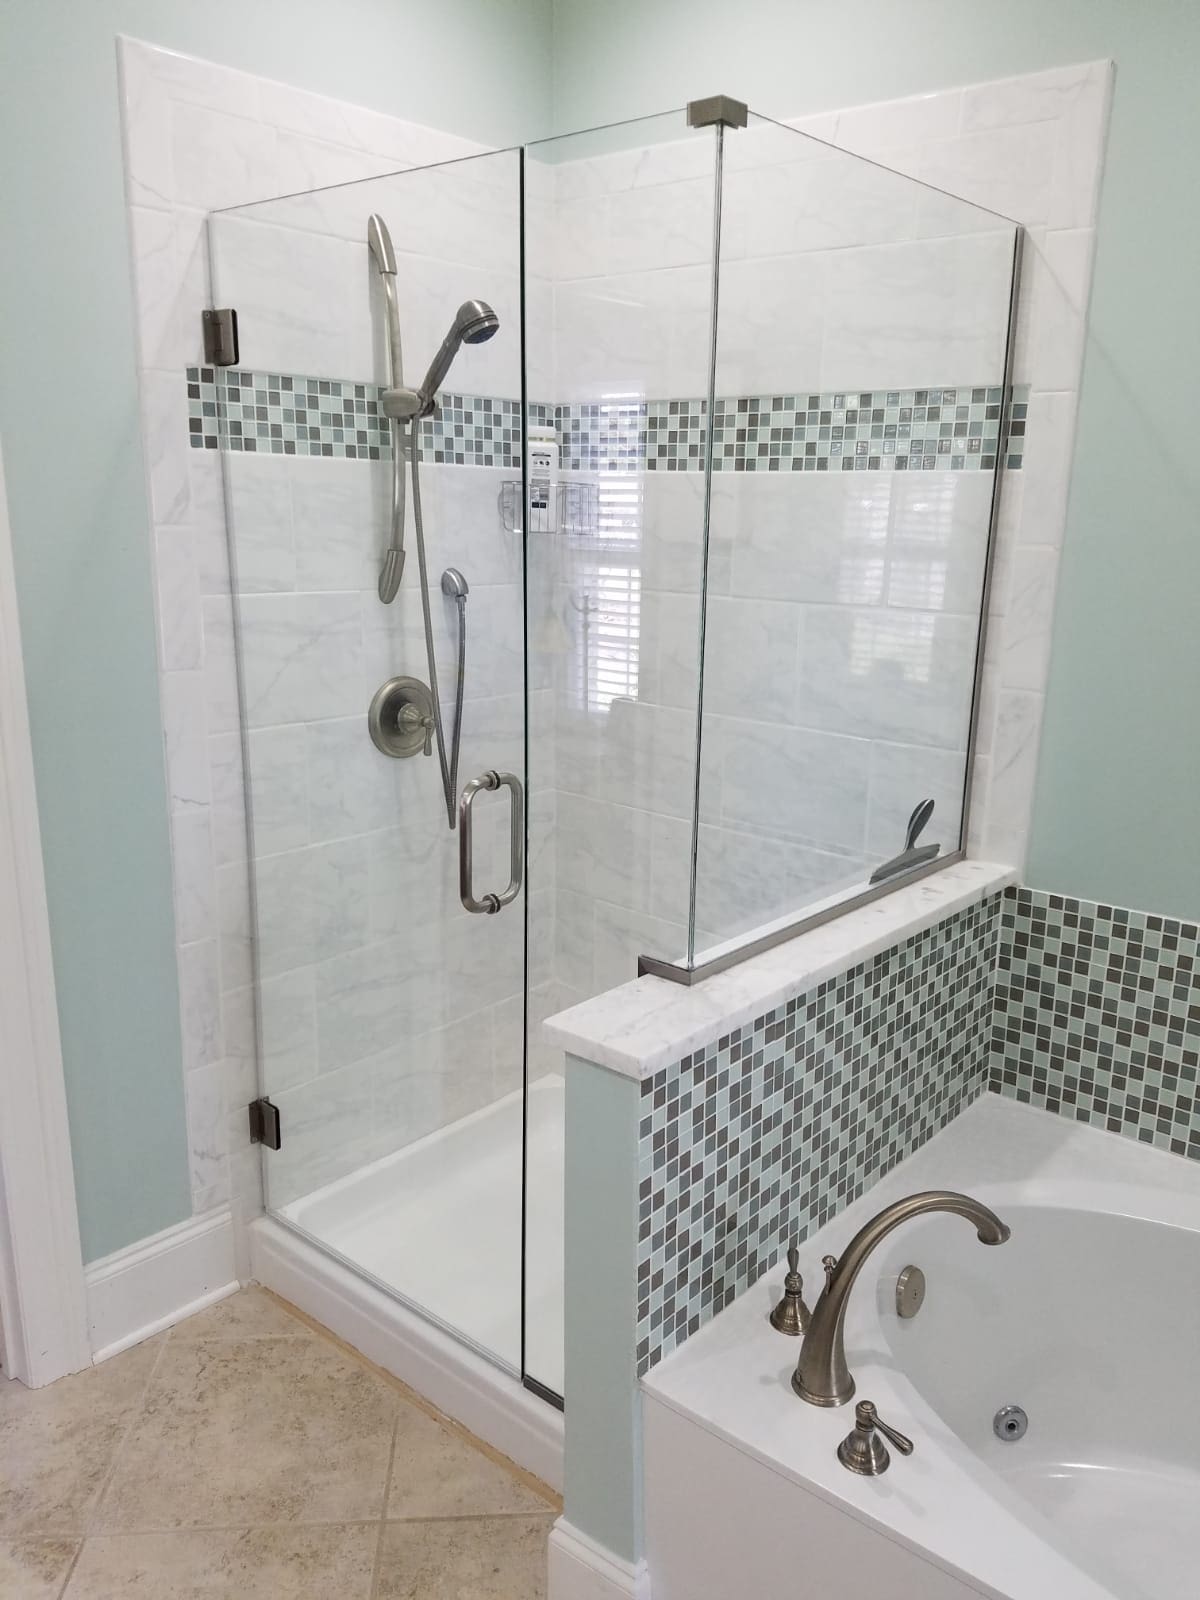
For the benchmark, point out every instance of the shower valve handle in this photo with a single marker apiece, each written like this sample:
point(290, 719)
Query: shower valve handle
point(410, 716)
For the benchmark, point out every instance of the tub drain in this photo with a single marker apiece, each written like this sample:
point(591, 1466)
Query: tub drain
point(1009, 1424)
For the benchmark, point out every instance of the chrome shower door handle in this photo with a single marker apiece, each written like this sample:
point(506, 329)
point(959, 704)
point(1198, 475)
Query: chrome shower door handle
point(491, 903)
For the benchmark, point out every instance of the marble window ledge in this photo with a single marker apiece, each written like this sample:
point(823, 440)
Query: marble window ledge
point(642, 1026)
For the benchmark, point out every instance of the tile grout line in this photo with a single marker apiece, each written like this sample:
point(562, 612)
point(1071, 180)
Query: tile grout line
point(70, 1573)
point(383, 1509)
point(138, 1411)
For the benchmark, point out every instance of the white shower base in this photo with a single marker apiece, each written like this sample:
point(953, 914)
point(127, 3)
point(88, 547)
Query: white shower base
point(439, 1223)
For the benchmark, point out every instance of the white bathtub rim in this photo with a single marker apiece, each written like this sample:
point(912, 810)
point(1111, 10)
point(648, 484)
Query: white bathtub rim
point(977, 1527)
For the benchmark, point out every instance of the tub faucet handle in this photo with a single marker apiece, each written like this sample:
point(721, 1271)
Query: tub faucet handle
point(791, 1315)
point(862, 1450)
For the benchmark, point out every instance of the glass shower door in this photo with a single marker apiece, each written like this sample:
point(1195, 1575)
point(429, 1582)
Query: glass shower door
point(619, 255)
point(390, 1019)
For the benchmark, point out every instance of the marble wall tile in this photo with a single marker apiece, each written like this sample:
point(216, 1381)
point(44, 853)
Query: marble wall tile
point(603, 850)
point(306, 296)
point(824, 540)
point(1029, 618)
point(815, 206)
point(744, 880)
point(339, 518)
point(351, 786)
point(926, 305)
point(360, 1005)
point(206, 1134)
point(1056, 272)
point(220, 665)
point(1013, 768)
point(180, 633)
point(186, 735)
point(288, 1028)
point(793, 783)
point(200, 1004)
point(219, 159)
point(262, 537)
point(752, 659)
point(164, 436)
point(301, 657)
point(279, 789)
point(888, 674)
point(192, 861)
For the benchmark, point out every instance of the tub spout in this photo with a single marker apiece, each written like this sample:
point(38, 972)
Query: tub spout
point(821, 1376)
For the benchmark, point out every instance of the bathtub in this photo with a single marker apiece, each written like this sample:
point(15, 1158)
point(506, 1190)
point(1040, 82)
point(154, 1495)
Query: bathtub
point(1088, 1319)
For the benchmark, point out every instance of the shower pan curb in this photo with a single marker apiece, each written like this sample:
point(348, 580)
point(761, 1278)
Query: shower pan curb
point(491, 1403)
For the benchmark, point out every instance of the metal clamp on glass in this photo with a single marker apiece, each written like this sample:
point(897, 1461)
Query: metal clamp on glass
point(491, 903)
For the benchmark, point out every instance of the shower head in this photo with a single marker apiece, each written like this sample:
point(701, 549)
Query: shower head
point(454, 584)
point(474, 323)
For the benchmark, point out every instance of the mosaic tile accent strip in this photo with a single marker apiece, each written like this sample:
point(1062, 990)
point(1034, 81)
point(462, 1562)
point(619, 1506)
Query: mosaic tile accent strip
point(900, 430)
point(284, 414)
point(762, 1136)
point(603, 438)
point(1098, 1017)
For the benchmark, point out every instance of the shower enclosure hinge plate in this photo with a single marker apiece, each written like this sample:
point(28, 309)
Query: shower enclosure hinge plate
point(264, 1124)
point(717, 109)
point(220, 336)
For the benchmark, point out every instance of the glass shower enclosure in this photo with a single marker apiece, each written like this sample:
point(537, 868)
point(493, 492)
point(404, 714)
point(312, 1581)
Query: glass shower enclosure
point(698, 518)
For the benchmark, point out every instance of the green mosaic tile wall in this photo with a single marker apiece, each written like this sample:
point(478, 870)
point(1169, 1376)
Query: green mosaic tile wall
point(1097, 1017)
point(761, 1136)
point(913, 430)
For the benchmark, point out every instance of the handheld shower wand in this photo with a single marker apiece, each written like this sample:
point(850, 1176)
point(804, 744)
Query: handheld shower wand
point(474, 323)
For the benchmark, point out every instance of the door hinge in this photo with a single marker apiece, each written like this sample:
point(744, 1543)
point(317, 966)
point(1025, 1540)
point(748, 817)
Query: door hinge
point(264, 1124)
point(220, 336)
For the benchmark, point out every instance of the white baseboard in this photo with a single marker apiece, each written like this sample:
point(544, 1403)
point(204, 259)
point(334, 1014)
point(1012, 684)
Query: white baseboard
point(157, 1282)
point(581, 1569)
point(491, 1403)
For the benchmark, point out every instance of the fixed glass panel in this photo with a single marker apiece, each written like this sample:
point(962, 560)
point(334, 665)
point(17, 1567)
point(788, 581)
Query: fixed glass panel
point(861, 341)
point(391, 1021)
point(619, 251)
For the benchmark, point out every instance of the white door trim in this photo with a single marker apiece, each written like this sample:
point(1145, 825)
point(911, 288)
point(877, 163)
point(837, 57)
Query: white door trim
point(42, 1306)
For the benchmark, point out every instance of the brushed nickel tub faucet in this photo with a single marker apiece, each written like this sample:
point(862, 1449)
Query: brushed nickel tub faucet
point(821, 1376)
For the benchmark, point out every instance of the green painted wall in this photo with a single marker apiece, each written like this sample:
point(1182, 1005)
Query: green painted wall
point(1115, 814)
point(602, 1471)
point(69, 425)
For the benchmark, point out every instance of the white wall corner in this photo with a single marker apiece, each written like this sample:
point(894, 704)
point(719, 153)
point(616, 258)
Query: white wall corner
point(581, 1569)
point(155, 1283)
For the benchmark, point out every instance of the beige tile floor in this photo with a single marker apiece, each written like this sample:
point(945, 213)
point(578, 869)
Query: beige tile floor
point(247, 1453)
